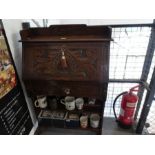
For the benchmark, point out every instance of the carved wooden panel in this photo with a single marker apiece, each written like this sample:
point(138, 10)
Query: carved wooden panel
point(83, 62)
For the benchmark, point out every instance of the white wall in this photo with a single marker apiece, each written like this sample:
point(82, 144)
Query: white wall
point(90, 21)
point(104, 21)
point(12, 28)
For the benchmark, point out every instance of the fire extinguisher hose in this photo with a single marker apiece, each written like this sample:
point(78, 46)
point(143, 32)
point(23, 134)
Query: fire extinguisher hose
point(115, 104)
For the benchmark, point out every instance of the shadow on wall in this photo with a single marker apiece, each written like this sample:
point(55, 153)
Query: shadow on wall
point(18, 53)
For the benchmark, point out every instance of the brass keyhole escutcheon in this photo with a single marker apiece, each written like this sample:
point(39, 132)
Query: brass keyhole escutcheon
point(63, 60)
point(67, 91)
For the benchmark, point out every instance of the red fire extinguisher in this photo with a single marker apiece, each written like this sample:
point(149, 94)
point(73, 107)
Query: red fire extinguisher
point(128, 105)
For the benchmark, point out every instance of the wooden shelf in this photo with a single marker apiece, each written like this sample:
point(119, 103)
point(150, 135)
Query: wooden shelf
point(97, 130)
point(86, 108)
point(83, 110)
point(50, 40)
point(88, 128)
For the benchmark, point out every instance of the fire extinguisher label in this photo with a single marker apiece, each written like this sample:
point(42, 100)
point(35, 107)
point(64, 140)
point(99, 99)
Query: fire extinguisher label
point(130, 105)
point(122, 112)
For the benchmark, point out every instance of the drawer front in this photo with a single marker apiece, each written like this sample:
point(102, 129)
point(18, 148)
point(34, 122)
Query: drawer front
point(83, 61)
point(66, 88)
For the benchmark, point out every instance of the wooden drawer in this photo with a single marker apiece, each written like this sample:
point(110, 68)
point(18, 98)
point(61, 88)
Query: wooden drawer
point(78, 89)
point(85, 61)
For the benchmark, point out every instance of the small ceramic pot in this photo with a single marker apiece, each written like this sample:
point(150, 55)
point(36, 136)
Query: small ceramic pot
point(94, 120)
point(79, 103)
point(91, 101)
point(84, 121)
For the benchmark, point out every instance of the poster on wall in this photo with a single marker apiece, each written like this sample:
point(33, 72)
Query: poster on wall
point(14, 114)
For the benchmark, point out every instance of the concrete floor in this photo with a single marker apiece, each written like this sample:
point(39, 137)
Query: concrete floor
point(110, 127)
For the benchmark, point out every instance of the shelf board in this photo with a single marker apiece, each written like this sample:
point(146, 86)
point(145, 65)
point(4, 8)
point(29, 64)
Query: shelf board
point(92, 105)
point(88, 128)
point(83, 111)
point(78, 128)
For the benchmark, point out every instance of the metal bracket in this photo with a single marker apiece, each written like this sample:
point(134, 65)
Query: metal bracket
point(145, 85)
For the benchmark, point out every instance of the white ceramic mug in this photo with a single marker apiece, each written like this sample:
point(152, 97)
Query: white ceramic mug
point(84, 121)
point(41, 102)
point(94, 120)
point(69, 102)
point(79, 103)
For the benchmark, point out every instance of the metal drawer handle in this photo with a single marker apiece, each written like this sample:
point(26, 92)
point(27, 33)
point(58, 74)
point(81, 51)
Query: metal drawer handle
point(67, 91)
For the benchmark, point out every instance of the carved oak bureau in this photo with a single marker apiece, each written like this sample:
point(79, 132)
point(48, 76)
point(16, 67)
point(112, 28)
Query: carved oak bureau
point(67, 60)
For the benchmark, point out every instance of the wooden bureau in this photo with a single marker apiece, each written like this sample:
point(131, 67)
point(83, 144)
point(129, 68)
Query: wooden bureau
point(66, 60)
